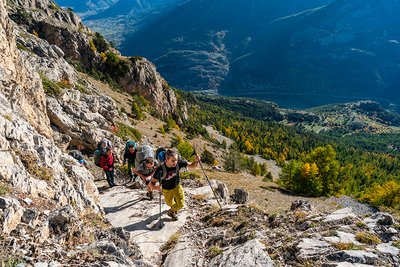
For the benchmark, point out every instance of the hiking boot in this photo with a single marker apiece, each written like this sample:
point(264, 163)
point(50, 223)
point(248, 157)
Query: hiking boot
point(172, 214)
point(150, 195)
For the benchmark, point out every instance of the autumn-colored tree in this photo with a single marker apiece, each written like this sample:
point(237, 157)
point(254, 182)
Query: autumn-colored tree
point(387, 194)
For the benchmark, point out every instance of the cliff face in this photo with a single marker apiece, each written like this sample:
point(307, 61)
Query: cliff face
point(45, 194)
point(62, 29)
point(19, 83)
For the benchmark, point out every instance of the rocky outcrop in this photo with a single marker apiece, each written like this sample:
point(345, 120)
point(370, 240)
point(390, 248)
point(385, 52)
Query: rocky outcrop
point(68, 38)
point(250, 254)
point(144, 79)
point(86, 119)
point(18, 81)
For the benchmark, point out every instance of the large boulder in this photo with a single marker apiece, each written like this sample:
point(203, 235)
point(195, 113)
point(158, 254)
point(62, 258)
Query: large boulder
point(250, 254)
point(240, 196)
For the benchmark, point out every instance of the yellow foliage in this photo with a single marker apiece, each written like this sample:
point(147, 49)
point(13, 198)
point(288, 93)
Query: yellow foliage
point(248, 147)
point(92, 45)
point(387, 194)
point(103, 57)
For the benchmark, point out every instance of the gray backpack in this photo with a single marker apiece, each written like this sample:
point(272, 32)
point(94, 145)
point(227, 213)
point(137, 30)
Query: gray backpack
point(142, 153)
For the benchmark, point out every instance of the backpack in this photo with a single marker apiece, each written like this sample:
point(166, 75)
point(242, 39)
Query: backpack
point(96, 157)
point(76, 154)
point(142, 153)
point(160, 154)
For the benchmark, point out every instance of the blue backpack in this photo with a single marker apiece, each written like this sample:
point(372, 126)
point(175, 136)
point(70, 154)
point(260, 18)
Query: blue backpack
point(160, 154)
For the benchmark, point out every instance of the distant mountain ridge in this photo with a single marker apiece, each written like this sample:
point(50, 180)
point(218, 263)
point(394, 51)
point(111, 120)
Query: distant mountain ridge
point(194, 44)
point(116, 19)
point(341, 52)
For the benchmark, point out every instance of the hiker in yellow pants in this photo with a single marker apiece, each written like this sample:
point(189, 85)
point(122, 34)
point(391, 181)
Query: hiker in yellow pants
point(168, 176)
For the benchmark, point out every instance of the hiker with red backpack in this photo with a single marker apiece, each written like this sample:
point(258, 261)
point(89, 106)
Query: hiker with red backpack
point(167, 174)
point(107, 161)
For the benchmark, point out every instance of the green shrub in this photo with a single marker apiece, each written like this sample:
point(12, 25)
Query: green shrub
point(31, 165)
point(50, 88)
point(137, 111)
point(233, 161)
point(215, 250)
point(207, 157)
point(126, 132)
point(100, 43)
point(5, 189)
point(21, 17)
point(170, 244)
point(367, 238)
point(186, 150)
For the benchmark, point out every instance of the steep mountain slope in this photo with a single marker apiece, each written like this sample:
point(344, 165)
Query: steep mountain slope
point(118, 18)
point(346, 51)
point(194, 44)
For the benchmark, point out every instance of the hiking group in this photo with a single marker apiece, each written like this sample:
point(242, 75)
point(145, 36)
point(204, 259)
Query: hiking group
point(159, 171)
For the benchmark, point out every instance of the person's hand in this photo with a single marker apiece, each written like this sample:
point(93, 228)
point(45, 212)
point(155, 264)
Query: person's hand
point(197, 159)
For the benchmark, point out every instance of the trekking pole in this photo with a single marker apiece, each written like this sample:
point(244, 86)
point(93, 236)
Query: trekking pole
point(212, 189)
point(160, 225)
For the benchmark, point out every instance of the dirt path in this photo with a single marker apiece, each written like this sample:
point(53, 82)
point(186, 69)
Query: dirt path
point(133, 211)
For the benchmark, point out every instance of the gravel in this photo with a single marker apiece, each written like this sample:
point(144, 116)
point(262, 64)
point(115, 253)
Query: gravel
point(357, 207)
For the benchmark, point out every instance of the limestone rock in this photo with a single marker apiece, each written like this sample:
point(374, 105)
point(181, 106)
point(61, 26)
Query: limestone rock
point(182, 254)
point(250, 254)
point(18, 81)
point(30, 216)
point(301, 204)
point(240, 196)
point(312, 248)
point(60, 219)
point(388, 249)
point(340, 216)
point(379, 218)
point(342, 237)
point(354, 256)
point(143, 78)
point(12, 213)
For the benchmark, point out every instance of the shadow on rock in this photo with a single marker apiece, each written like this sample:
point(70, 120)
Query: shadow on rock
point(123, 206)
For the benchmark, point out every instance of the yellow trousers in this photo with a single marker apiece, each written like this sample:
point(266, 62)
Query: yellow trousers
point(175, 198)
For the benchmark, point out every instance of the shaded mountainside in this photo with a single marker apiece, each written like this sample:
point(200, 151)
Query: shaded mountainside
point(346, 51)
point(195, 44)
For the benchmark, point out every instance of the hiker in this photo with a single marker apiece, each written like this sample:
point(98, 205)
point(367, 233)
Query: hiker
point(107, 164)
point(145, 170)
point(168, 174)
point(77, 154)
point(101, 150)
point(130, 156)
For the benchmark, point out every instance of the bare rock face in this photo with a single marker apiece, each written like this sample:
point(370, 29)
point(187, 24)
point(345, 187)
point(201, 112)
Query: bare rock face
point(18, 81)
point(249, 254)
point(144, 79)
point(12, 214)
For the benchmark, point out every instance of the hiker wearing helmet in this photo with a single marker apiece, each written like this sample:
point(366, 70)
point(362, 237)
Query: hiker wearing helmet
point(168, 176)
point(145, 170)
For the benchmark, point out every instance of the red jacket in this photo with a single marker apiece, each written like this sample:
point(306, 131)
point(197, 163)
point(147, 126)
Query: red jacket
point(107, 162)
